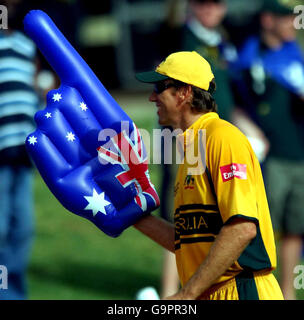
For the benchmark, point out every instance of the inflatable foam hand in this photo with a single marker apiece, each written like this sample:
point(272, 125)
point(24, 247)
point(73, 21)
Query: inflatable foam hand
point(111, 187)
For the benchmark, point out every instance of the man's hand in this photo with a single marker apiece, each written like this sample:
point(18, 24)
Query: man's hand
point(112, 189)
point(180, 295)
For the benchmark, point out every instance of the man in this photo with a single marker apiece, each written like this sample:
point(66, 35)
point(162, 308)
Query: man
point(202, 32)
point(270, 89)
point(223, 238)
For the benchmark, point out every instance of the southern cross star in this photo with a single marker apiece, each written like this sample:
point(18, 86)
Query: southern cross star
point(97, 203)
point(70, 136)
point(32, 140)
point(83, 106)
point(48, 115)
point(57, 97)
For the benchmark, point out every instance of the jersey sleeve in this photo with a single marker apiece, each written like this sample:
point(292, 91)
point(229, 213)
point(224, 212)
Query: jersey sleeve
point(232, 163)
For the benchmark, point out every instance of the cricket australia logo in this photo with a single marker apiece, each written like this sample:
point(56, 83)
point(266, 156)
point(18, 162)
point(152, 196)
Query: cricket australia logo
point(189, 182)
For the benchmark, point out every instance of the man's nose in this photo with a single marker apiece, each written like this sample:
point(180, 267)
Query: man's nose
point(153, 96)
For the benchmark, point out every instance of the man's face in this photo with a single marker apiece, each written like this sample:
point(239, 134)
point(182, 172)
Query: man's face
point(210, 14)
point(280, 26)
point(166, 100)
point(284, 27)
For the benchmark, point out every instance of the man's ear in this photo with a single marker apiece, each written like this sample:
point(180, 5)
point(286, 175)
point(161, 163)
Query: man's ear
point(185, 94)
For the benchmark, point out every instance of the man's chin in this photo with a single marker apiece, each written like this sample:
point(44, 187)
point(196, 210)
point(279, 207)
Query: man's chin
point(161, 122)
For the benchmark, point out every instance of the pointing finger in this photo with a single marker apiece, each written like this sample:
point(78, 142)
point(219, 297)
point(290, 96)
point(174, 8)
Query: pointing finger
point(70, 67)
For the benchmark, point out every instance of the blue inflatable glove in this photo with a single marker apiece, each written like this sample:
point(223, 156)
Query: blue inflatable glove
point(86, 148)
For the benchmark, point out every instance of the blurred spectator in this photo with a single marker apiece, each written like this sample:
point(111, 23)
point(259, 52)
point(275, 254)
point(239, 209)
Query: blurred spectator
point(18, 103)
point(203, 32)
point(270, 89)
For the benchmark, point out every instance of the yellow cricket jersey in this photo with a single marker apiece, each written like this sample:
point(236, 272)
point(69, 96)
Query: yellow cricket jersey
point(239, 189)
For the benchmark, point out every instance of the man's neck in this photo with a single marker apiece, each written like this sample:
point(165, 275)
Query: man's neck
point(188, 120)
point(210, 37)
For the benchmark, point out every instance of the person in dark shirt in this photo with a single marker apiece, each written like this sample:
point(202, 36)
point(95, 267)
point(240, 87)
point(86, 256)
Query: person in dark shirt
point(203, 32)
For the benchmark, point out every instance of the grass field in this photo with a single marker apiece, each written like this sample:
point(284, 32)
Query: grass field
point(72, 259)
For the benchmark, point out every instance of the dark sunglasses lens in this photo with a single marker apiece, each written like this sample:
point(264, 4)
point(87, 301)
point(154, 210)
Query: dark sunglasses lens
point(159, 87)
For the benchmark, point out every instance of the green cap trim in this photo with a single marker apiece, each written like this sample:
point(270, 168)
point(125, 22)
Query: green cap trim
point(150, 77)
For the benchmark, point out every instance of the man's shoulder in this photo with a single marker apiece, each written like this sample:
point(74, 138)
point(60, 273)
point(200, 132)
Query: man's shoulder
point(219, 125)
point(222, 130)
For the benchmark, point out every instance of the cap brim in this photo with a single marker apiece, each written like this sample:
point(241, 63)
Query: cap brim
point(150, 77)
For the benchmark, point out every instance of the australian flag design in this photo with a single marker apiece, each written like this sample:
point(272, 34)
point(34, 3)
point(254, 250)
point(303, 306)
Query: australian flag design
point(105, 181)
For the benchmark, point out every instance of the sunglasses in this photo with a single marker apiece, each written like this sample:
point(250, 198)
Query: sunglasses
point(161, 86)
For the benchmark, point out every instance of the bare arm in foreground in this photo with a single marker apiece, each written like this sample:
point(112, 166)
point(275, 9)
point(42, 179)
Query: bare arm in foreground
point(157, 229)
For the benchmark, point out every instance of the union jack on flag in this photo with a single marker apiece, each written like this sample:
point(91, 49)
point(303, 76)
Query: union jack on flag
point(131, 156)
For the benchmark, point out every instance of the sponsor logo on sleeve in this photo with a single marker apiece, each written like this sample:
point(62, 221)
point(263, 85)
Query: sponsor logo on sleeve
point(234, 170)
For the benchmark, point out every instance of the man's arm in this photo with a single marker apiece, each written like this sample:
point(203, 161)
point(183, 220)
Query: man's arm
point(157, 229)
point(228, 246)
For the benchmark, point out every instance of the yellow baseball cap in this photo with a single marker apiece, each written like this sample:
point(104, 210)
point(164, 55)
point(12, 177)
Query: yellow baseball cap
point(186, 66)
